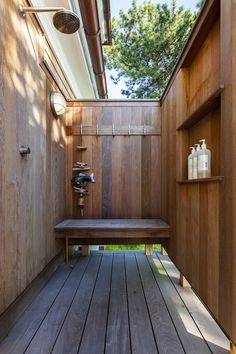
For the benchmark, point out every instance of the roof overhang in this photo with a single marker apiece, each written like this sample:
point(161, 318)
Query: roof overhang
point(80, 57)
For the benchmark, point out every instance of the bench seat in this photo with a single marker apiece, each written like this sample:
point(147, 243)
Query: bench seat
point(112, 231)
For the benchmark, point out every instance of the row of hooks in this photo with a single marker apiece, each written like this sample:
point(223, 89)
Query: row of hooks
point(113, 130)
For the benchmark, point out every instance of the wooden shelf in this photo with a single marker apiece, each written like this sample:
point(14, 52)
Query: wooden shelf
point(212, 102)
point(201, 180)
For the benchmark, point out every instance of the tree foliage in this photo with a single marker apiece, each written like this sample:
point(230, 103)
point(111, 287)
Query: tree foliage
point(200, 4)
point(147, 41)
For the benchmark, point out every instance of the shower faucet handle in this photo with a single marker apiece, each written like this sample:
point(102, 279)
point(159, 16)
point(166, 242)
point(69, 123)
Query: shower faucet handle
point(24, 150)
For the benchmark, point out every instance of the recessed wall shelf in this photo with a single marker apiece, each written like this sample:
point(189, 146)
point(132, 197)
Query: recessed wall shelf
point(212, 102)
point(201, 180)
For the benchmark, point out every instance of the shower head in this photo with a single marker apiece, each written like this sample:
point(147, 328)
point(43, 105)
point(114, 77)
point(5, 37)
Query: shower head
point(64, 20)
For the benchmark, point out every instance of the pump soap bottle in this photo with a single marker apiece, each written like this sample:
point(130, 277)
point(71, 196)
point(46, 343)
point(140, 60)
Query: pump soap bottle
point(190, 163)
point(204, 161)
point(195, 161)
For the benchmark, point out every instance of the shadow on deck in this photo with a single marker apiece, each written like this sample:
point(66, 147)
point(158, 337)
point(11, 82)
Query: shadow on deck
point(116, 302)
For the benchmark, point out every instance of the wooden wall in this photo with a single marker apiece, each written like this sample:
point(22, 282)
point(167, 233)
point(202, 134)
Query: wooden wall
point(136, 176)
point(127, 168)
point(32, 190)
point(227, 274)
point(201, 215)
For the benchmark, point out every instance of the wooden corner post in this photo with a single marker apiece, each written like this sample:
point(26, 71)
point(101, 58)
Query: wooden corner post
point(149, 250)
point(232, 348)
point(183, 281)
point(85, 250)
point(66, 251)
point(163, 251)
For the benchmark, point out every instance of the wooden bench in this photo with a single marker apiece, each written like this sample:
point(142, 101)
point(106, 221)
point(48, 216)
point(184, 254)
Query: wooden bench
point(113, 231)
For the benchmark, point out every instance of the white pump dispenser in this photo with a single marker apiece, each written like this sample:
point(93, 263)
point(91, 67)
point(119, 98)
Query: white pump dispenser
point(204, 161)
point(190, 163)
point(195, 161)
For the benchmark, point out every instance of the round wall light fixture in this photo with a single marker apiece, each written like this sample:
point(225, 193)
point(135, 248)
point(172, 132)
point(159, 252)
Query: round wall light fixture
point(58, 103)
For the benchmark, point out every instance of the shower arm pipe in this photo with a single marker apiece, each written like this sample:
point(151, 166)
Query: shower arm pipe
point(29, 9)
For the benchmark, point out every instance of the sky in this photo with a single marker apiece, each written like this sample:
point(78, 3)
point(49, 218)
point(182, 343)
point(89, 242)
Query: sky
point(114, 91)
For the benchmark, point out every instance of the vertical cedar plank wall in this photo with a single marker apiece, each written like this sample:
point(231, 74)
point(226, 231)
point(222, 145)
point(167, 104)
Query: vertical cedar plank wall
point(127, 168)
point(195, 217)
point(227, 274)
point(32, 191)
point(202, 215)
point(195, 246)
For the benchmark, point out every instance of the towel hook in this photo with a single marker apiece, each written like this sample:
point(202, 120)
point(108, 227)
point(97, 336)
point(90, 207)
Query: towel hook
point(144, 129)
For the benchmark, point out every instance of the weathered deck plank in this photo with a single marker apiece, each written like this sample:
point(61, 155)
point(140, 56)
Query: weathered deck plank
point(44, 340)
point(142, 339)
point(25, 328)
point(215, 338)
point(72, 329)
point(186, 328)
point(118, 340)
point(166, 337)
point(116, 303)
point(93, 340)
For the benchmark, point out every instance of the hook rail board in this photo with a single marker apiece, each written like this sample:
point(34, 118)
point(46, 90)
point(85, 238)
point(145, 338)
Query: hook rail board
point(112, 130)
point(81, 148)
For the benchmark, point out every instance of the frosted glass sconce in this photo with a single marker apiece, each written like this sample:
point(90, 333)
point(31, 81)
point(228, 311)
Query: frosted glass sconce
point(58, 104)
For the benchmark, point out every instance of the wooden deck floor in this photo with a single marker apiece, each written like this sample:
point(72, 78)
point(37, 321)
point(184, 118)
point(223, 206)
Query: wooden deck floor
point(116, 303)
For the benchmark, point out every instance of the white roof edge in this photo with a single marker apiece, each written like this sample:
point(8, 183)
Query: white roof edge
point(75, 60)
point(75, 7)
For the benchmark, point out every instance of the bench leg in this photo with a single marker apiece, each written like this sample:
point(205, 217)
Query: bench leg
point(183, 281)
point(163, 251)
point(85, 250)
point(67, 250)
point(70, 251)
point(232, 348)
point(149, 250)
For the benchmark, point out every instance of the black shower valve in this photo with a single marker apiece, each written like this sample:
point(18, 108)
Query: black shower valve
point(24, 150)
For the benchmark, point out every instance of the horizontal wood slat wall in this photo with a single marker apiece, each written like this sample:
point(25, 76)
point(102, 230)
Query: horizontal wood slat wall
point(32, 190)
point(127, 168)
